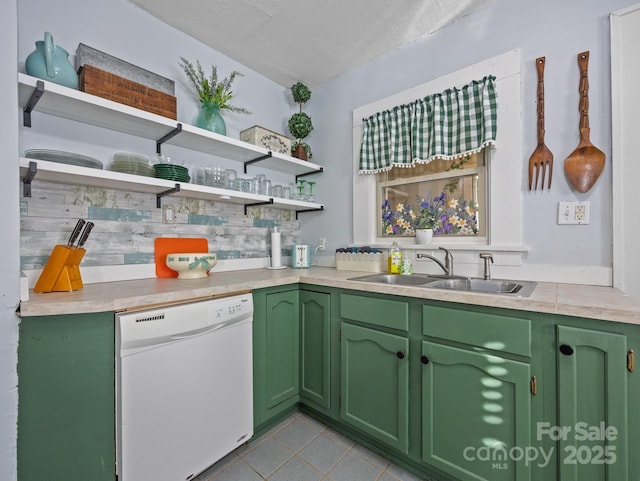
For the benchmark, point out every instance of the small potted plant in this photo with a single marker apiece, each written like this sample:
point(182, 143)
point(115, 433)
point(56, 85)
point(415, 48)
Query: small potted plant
point(428, 218)
point(300, 124)
point(214, 95)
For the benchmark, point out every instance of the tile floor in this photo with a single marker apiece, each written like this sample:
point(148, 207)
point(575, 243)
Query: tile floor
point(302, 449)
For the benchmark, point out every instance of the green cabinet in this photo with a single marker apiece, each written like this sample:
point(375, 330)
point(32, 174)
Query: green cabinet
point(375, 384)
point(276, 353)
point(66, 417)
point(475, 407)
point(593, 405)
point(315, 348)
point(476, 393)
point(374, 367)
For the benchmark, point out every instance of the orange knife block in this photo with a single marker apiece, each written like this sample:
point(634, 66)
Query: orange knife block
point(62, 270)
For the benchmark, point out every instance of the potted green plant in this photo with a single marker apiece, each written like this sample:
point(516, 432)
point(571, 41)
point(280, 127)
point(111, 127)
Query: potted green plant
point(300, 124)
point(214, 95)
point(428, 218)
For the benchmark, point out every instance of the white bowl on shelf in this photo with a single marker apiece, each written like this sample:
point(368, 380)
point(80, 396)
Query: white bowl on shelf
point(191, 265)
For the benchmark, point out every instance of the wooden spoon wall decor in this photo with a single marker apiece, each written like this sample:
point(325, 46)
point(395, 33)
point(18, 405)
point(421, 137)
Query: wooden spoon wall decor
point(584, 166)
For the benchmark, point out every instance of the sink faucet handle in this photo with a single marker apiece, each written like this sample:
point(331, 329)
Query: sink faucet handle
point(448, 261)
point(448, 256)
point(486, 257)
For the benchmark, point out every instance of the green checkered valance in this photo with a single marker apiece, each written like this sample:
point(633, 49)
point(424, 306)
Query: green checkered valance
point(448, 125)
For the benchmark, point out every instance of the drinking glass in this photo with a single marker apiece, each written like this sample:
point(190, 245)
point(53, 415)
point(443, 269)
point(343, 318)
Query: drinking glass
point(231, 179)
point(214, 176)
point(300, 194)
point(244, 185)
point(265, 187)
point(310, 197)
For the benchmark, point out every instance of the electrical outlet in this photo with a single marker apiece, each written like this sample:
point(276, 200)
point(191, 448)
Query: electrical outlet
point(573, 213)
point(168, 214)
point(322, 244)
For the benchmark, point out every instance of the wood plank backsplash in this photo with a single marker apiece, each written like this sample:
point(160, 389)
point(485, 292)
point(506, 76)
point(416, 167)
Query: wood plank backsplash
point(127, 223)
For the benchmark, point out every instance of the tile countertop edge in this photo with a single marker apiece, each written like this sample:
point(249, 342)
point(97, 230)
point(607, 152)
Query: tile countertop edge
point(603, 303)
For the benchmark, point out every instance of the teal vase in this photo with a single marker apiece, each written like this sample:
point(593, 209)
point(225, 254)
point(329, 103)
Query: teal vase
point(51, 62)
point(209, 118)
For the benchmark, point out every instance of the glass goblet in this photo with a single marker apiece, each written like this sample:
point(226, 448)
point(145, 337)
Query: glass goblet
point(310, 197)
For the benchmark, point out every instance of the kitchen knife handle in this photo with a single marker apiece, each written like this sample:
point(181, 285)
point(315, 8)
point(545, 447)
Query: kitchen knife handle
point(85, 233)
point(76, 232)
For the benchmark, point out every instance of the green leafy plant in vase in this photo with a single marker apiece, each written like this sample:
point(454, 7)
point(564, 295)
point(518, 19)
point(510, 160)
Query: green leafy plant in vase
point(300, 124)
point(214, 95)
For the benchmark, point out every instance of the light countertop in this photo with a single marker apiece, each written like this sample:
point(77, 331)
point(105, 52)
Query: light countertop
point(605, 303)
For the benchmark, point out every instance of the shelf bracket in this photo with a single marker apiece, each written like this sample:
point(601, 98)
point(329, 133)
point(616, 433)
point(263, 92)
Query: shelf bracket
point(31, 104)
point(309, 173)
point(268, 202)
point(309, 210)
point(26, 182)
point(166, 137)
point(262, 157)
point(166, 192)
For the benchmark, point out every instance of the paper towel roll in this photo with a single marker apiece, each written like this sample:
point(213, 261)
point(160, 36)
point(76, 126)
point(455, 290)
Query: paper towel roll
point(276, 254)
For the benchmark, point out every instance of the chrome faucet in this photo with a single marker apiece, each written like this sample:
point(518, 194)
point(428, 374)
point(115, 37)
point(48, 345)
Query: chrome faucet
point(447, 267)
point(487, 257)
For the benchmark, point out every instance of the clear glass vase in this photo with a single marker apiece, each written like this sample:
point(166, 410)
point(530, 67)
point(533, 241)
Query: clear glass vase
point(209, 118)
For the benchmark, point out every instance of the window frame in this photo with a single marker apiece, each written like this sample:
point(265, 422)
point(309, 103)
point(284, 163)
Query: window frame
point(503, 170)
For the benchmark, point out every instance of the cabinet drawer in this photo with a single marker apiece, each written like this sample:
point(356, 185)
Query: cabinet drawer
point(490, 331)
point(378, 312)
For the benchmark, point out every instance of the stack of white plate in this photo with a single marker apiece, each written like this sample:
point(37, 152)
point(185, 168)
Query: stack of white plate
point(62, 157)
point(129, 163)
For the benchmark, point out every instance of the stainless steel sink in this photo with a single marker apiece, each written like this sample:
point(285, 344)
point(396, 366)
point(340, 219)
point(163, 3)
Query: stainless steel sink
point(454, 283)
point(413, 280)
point(491, 286)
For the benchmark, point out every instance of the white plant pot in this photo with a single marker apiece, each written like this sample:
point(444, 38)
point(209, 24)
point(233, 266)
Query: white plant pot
point(424, 236)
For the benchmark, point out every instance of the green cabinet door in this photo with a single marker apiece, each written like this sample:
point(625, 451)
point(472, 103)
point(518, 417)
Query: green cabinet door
point(66, 384)
point(315, 347)
point(375, 384)
point(593, 409)
point(276, 353)
point(475, 408)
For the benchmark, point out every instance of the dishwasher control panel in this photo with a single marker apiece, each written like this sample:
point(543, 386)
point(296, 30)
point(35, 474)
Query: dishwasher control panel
point(229, 308)
point(171, 322)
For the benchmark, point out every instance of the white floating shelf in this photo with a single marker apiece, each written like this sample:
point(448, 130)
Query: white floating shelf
point(74, 175)
point(82, 107)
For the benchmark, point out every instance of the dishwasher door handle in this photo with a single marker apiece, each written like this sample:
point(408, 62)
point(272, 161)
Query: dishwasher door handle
point(205, 330)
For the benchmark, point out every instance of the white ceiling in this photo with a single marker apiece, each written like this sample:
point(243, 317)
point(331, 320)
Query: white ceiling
point(312, 41)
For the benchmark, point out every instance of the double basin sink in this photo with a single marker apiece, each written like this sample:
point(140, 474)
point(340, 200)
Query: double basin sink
point(454, 283)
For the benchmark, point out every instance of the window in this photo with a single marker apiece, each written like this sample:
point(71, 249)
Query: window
point(447, 196)
point(501, 216)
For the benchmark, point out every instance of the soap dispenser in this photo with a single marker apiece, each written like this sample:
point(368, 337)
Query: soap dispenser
point(395, 259)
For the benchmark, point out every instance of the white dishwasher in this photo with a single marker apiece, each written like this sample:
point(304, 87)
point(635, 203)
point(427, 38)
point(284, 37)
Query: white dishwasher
point(184, 393)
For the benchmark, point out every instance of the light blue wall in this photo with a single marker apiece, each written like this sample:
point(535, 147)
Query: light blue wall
point(557, 30)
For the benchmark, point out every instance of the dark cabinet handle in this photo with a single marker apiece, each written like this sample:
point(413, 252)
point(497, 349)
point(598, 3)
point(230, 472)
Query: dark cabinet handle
point(400, 354)
point(566, 349)
point(424, 360)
